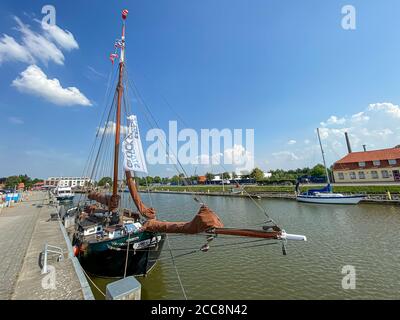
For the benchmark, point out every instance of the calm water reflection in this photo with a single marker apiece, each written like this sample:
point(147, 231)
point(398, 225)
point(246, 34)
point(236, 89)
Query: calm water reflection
point(365, 236)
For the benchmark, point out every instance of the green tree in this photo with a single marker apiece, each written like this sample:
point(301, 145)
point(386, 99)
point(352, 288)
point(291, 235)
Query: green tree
point(103, 181)
point(165, 180)
point(318, 171)
point(226, 175)
point(12, 181)
point(257, 174)
point(175, 179)
point(209, 176)
point(157, 179)
point(194, 178)
point(149, 180)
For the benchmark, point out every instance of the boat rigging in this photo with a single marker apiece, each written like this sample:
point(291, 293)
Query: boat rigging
point(112, 240)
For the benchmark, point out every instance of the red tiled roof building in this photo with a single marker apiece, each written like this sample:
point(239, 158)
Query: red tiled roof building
point(369, 166)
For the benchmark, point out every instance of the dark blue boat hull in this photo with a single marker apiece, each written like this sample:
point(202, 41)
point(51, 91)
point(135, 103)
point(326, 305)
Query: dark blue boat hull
point(108, 258)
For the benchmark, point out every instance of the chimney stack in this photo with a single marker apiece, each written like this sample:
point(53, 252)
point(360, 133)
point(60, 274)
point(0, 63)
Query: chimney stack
point(365, 147)
point(347, 142)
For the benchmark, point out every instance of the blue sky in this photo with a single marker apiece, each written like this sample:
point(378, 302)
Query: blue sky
point(280, 67)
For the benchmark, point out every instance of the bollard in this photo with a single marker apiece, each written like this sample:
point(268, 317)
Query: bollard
point(125, 289)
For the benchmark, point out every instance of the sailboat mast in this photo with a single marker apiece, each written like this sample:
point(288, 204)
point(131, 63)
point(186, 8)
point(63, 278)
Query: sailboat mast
point(120, 91)
point(323, 156)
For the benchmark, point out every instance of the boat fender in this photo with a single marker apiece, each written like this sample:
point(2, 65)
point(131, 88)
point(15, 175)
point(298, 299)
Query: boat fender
point(76, 251)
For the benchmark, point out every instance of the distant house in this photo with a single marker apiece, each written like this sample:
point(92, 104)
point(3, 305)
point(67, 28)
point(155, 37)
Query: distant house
point(201, 179)
point(267, 174)
point(21, 186)
point(74, 182)
point(368, 166)
point(38, 186)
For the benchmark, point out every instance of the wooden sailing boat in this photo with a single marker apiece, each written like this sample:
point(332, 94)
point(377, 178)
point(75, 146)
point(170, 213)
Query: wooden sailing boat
point(114, 242)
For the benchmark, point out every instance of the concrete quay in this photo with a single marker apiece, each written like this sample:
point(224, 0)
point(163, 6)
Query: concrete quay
point(25, 228)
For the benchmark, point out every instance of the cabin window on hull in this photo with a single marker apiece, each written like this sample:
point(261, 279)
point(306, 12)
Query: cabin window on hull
point(385, 174)
point(341, 175)
point(352, 175)
point(361, 175)
point(392, 162)
point(374, 174)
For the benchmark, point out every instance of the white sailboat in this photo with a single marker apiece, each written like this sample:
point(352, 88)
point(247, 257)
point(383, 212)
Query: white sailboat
point(325, 195)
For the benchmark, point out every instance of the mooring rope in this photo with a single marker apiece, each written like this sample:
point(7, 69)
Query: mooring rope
point(91, 281)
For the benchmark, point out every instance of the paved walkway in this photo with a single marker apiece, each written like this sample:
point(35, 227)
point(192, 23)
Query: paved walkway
point(16, 227)
point(24, 229)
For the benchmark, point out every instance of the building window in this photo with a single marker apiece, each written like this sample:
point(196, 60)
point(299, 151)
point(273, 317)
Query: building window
point(341, 175)
point(385, 174)
point(392, 161)
point(377, 162)
point(374, 174)
point(361, 164)
point(352, 175)
point(361, 175)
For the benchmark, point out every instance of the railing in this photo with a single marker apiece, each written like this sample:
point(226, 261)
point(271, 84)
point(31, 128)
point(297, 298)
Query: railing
point(49, 249)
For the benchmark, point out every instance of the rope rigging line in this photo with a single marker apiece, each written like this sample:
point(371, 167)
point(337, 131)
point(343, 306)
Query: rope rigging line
point(231, 248)
point(176, 269)
point(128, 106)
point(196, 249)
point(140, 99)
point(104, 136)
point(105, 98)
point(155, 124)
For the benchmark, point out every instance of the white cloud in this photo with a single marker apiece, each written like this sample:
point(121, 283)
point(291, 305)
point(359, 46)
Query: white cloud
point(205, 159)
point(377, 126)
point(333, 120)
point(285, 156)
point(63, 38)
point(359, 117)
point(39, 46)
point(387, 107)
point(11, 50)
point(15, 120)
point(238, 155)
point(291, 142)
point(110, 127)
point(34, 81)
point(34, 46)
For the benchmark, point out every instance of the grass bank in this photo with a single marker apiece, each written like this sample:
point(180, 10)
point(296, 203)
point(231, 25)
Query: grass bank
point(280, 189)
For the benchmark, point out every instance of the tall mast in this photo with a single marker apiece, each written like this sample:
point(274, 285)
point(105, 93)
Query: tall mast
point(120, 91)
point(323, 157)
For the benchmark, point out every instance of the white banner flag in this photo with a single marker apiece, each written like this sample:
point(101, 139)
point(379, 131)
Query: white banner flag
point(132, 148)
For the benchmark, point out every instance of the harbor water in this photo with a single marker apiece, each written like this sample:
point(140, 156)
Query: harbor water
point(364, 236)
